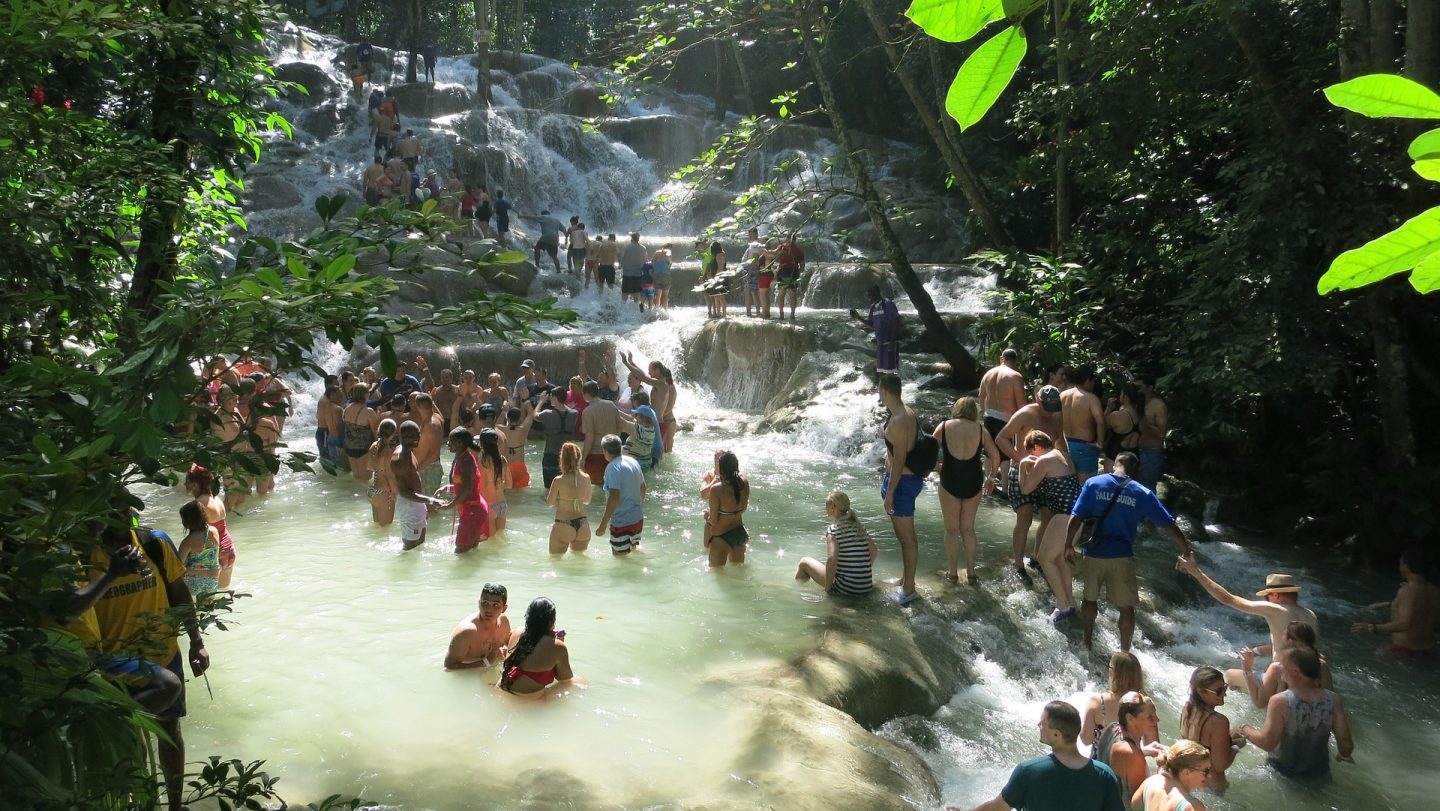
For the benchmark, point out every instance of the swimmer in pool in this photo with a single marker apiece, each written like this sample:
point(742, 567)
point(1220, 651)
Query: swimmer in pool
point(728, 494)
point(538, 657)
point(569, 493)
point(480, 639)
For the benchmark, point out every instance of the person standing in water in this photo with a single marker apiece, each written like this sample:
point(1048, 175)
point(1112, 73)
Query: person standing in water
point(538, 657)
point(1002, 393)
point(380, 489)
point(494, 478)
point(1103, 708)
point(199, 552)
point(480, 639)
point(1184, 769)
point(1041, 415)
point(517, 430)
point(569, 494)
point(632, 261)
point(1119, 504)
point(1121, 745)
point(1047, 477)
point(412, 507)
point(1083, 419)
point(624, 498)
point(200, 483)
point(849, 552)
point(883, 320)
point(1300, 721)
point(1201, 721)
point(661, 263)
point(432, 437)
point(963, 479)
point(1153, 427)
point(717, 293)
point(360, 423)
point(728, 495)
point(1063, 780)
point(429, 53)
point(1279, 606)
point(662, 400)
point(471, 507)
point(790, 261)
point(900, 485)
point(1414, 613)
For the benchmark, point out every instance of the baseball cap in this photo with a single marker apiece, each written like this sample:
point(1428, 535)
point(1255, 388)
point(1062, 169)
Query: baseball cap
point(487, 410)
point(527, 364)
point(1050, 398)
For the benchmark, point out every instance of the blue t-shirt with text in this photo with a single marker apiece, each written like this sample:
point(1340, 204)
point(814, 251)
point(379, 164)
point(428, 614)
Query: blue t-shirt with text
point(1115, 537)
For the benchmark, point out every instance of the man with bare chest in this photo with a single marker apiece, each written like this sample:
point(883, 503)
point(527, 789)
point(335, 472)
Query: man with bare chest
point(432, 437)
point(480, 639)
point(1041, 415)
point(1002, 393)
point(1084, 422)
point(412, 506)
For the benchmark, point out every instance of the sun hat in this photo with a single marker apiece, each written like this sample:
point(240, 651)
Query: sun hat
point(1278, 584)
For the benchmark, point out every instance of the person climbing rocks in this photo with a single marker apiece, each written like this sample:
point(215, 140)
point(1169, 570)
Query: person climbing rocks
point(549, 241)
point(502, 217)
point(429, 53)
point(632, 262)
point(409, 149)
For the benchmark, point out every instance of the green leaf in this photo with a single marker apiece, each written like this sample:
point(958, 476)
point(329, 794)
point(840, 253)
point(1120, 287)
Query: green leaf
point(984, 76)
point(1016, 10)
point(1384, 95)
point(954, 20)
point(1426, 277)
point(336, 270)
point(1395, 252)
point(1427, 145)
point(1428, 168)
point(388, 361)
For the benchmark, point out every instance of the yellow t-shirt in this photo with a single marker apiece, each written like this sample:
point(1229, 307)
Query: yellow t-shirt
point(124, 609)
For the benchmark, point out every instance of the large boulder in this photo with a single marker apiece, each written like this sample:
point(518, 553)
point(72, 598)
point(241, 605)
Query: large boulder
point(584, 100)
point(317, 83)
point(745, 362)
point(670, 141)
point(423, 100)
point(263, 192)
point(844, 286)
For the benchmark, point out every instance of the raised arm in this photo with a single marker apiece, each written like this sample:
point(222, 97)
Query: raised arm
point(1190, 567)
point(1005, 440)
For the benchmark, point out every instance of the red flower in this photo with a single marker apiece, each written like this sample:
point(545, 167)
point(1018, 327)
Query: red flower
point(37, 95)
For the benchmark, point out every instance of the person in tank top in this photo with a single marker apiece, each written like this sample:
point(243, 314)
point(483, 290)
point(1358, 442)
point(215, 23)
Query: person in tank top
point(1300, 722)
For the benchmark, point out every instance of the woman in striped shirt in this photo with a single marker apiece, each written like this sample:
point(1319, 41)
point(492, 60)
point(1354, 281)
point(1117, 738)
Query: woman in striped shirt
point(849, 549)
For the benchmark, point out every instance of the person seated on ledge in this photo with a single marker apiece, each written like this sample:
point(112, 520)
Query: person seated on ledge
point(537, 654)
point(1414, 615)
point(480, 639)
point(850, 552)
point(1265, 683)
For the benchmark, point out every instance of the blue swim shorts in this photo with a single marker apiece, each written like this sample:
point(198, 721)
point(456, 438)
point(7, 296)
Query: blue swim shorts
point(1084, 455)
point(905, 493)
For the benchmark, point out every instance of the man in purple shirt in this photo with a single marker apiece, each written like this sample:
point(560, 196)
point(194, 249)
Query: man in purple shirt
point(884, 321)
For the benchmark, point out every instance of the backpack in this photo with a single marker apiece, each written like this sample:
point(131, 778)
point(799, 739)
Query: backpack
point(921, 458)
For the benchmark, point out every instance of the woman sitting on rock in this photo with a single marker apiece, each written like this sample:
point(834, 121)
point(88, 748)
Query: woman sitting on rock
point(850, 552)
point(538, 657)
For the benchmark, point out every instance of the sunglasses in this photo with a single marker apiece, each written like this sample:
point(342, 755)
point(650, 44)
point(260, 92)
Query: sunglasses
point(1219, 692)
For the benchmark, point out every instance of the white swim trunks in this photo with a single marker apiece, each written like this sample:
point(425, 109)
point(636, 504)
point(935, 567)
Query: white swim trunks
point(410, 517)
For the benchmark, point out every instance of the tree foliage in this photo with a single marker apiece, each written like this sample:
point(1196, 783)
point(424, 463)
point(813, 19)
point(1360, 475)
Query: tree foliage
point(121, 126)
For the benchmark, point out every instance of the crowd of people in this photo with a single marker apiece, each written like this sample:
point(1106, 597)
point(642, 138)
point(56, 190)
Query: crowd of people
point(1061, 454)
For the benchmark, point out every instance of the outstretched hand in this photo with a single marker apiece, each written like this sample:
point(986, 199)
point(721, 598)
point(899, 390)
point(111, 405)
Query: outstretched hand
point(1186, 564)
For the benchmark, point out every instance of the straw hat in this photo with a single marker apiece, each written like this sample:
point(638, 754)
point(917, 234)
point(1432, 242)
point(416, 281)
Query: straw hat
point(1278, 584)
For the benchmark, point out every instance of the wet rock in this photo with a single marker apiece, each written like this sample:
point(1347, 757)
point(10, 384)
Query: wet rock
point(746, 361)
point(670, 141)
point(316, 81)
point(584, 101)
point(264, 192)
point(844, 286)
point(423, 100)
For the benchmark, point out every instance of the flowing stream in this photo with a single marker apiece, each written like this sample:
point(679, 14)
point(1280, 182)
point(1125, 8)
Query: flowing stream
point(331, 668)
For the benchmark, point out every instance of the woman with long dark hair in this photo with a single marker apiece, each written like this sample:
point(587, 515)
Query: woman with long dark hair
point(471, 507)
point(538, 656)
point(717, 288)
point(200, 484)
point(1122, 422)
point(728, 494)
point(494, 478)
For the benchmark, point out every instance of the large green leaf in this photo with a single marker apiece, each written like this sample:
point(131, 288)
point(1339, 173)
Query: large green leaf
point(954, 20)
point(1385, 95)
point(1396, 252)
point(1429, 168)
point(1426, 277)
point(1426, 145)
point(984, 76)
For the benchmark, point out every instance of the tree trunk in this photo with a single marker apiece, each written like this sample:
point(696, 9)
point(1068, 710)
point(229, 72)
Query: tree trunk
point(482, 52)
point(412, 38)
point(1383, 36)
point(1063, 215)
point(351, 22)
point(1242, 27)
point(721, 86)
point(964, 371)
point(744, 74)
point(172, 113)
point(1422, 36)
point(1354, 37)
point(950, 151)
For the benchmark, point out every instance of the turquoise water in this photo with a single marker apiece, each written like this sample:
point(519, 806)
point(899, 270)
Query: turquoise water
point(332, 669)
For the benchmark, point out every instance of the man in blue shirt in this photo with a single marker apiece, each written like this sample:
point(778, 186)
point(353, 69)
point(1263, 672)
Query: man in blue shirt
point(625, 493)
point(1110, 560)
point(1063, 780)
point(401, 383)
point(502, 216)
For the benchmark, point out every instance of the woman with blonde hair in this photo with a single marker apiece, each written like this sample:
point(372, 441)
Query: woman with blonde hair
point(380, 489)
point(569, 493)
point(1184, 767)
point(850, 552)
point(1103, 708)
point(963, 479)
point(1201, 722)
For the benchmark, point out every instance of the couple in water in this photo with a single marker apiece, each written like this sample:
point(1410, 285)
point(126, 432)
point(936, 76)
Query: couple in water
point(530, 659)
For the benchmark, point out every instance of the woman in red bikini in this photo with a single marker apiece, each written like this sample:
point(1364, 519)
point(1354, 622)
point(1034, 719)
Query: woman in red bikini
point(199, 483)
point(537, 654)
